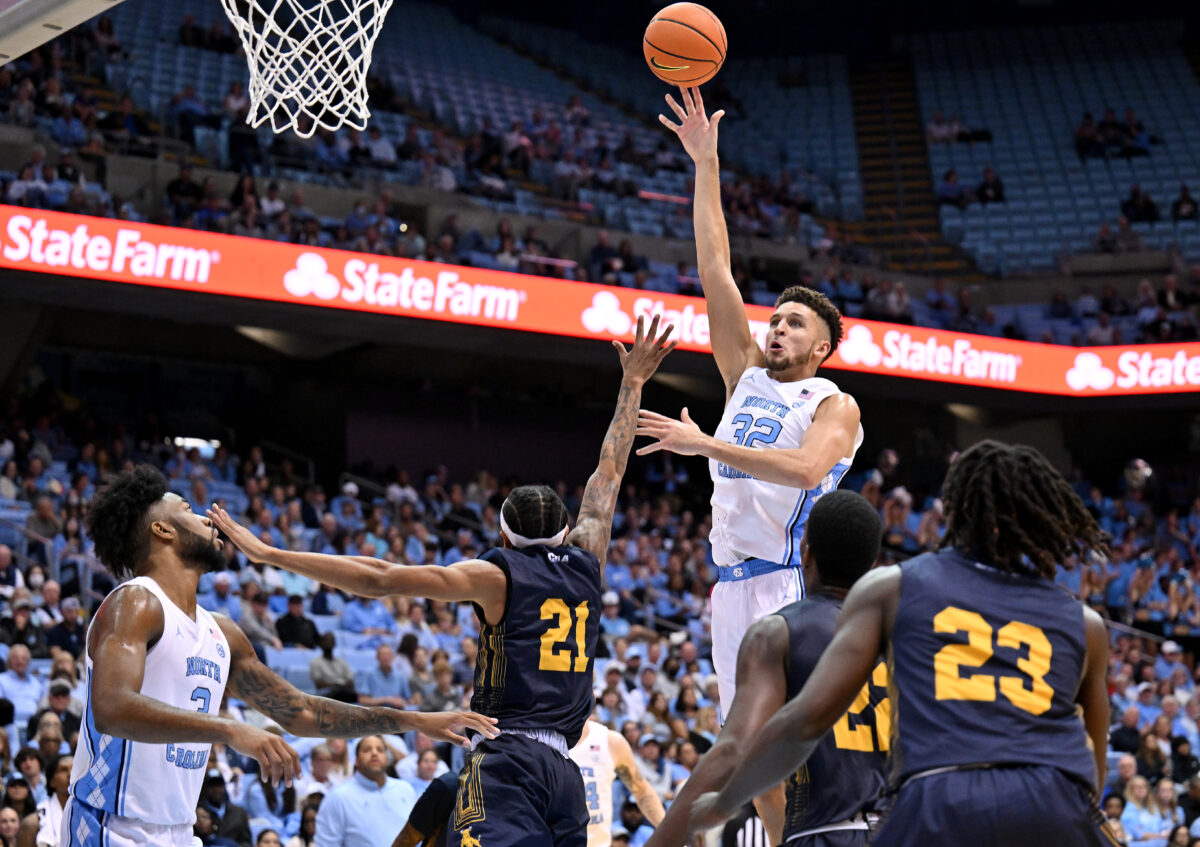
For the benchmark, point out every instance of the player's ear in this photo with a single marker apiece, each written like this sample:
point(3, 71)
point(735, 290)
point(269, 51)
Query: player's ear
point(163, 529)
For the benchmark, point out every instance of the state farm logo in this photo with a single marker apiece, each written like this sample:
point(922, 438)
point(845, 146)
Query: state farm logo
point(859, 347)
point(33, 241)
point(365, 282)
point(1135, 369)
point(605, 316)
point(901, 352)
point(1089, 372)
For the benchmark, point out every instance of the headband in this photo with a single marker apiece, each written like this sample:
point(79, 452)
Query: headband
point(518, 540)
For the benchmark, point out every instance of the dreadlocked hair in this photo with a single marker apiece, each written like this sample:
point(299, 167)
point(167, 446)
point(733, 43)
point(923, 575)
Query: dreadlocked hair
point(1009, 507)
point(116, 521)
point(534, 511)
point(820, 304)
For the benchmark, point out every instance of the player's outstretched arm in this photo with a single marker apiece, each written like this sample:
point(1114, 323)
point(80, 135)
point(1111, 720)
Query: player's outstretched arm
point(638, 364)
point(761, 692)
point(319, 717)
point(829, 438)
point(630, 775)
point(1093, 692)
point(733, 345)
point(787, 740)
point(313, 716)
point(125, 625)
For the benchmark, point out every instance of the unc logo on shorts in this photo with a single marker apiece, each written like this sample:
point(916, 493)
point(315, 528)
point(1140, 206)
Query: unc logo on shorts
point(221, 650)
point(738, 573)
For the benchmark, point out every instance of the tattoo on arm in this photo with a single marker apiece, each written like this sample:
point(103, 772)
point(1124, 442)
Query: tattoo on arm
point(600, 497)
point(307, 715)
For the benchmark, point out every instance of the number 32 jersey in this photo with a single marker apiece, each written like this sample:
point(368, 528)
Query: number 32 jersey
point(534, 669)
point(985, 665)
point(156, 783)
point(753, 519)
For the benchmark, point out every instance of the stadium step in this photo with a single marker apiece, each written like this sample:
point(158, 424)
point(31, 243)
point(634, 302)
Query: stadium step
point(901, 209)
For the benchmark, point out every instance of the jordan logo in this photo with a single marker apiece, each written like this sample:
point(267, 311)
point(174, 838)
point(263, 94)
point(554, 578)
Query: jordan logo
point(468, 840)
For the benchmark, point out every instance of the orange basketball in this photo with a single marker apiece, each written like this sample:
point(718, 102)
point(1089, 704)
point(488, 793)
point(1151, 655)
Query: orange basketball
point(685, 44)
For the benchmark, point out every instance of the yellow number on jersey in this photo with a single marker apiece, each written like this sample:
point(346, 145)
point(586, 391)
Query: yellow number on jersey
point(555, 652)
point(860, 737)
point(949, 684)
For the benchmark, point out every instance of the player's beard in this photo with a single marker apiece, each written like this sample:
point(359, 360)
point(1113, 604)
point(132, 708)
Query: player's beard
point(790, 362)
point(200, 551)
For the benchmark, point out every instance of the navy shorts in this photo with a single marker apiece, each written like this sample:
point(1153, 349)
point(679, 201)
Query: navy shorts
point(517, 792)
point(1031, 806)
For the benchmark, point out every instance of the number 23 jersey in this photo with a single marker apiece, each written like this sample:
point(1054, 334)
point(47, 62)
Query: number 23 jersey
point(985, 665)
point(534, 669)
point(753, 519)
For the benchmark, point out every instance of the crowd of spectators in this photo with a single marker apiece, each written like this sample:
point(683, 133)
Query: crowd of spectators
point(951, 192)
point(654, 680)
point(1112, 136)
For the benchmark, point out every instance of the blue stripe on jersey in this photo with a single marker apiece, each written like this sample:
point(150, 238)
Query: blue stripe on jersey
point(793, 540)
point(109, 758)
point(800, 518)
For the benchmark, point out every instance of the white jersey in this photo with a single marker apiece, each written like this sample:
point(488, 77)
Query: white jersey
point(753, 519)
point(594, 758)
point(157, 783)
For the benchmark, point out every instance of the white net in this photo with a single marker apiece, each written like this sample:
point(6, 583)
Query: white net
point(308, 60)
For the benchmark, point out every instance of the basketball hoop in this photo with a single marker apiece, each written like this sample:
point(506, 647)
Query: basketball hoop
point(308, 58)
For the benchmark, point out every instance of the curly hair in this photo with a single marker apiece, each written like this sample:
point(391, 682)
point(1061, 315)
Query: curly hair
point(534, 511)
point(1008, 506)
point(116, 522)
point(820, 304)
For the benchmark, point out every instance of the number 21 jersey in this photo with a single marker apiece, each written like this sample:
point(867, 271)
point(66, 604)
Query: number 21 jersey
point(754, 519)
point(985, 665)
point(156, 783)
point(534, 669)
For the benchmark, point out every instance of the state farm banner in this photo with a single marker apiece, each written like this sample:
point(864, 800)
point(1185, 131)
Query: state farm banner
point(166, 257)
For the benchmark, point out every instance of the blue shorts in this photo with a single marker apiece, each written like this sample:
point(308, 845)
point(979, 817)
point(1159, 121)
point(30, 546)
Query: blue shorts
point(518, 792)
point(1031, 806)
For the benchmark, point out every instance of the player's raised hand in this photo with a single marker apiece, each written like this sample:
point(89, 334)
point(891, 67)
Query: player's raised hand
point(277, 762)
point(681, 436)
point(447, 726)
point(649, 349)
point(696, 130)
point(238, 535)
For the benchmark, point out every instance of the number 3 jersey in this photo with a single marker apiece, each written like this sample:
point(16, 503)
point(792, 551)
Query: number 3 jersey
point(985, 665)
point(157, 783)
point(753, 519)
point(534, 668)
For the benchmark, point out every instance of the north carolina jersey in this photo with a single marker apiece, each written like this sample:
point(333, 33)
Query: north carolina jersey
point(594, 757)
point(753, 519)
point(157, 783)
point(985, 665)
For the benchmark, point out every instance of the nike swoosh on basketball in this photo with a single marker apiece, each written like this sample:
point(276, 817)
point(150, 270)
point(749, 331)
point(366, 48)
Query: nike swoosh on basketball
point(654, 61)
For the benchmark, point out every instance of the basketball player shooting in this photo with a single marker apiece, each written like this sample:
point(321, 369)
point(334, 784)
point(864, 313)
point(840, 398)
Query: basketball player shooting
point(786, 436)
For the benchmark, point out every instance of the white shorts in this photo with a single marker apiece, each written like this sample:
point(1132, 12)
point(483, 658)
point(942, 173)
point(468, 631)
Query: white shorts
point(735, 607)
point(84, 826)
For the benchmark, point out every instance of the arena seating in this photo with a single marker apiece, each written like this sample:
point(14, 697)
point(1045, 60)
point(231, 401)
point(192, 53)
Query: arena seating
point(1031, 88)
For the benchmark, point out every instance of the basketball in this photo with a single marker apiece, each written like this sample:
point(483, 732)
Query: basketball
point(685, 44)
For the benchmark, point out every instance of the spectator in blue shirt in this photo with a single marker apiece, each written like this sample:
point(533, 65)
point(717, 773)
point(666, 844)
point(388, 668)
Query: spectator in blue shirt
point(222, 598)
point(18, 686)
point(385, 685)
point(1168, 660)
point(951, 192)
point(612, 625)
point(368, 616)
point(1146, 703)
point(370, 807)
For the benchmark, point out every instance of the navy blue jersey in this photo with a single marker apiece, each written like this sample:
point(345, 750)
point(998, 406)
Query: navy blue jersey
point(985, 665)
point(534, 669)
point(846, 773)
